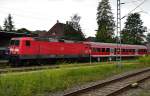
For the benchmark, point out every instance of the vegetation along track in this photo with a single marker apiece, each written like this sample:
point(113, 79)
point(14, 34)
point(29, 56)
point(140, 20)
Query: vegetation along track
point(112, 87)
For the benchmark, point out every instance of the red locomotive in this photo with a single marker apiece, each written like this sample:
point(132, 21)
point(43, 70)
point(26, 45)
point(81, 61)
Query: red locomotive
point(34, 49)
point(27, 48)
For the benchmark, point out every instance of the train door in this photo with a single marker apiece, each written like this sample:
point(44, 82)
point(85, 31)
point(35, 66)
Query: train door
point(136, 51)
point(112, 51)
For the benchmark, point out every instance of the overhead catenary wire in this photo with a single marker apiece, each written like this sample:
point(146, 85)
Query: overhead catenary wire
point(142, 10)
point(132, 1)
point(134, 8)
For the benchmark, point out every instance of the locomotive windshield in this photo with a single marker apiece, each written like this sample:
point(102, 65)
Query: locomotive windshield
point(14, 42)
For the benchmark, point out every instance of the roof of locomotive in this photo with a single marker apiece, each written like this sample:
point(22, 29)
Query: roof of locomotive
point(22, 38)
point(44, 39)
point(113, 45)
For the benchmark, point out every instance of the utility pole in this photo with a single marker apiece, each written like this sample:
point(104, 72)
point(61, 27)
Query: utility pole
point(118, 41)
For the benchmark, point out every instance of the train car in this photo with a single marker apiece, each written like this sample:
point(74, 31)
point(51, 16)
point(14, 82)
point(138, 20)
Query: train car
point(26, 49)
point(102, 50)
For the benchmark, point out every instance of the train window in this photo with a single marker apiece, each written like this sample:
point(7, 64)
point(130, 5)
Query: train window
point(124, 50)
point(128, 50)
point(103, 49)
point(14, 42)
point(138, 50)
point(107, 50)
point(27, 43)
point(94, 49)
point(98, 49)
point(17, 42)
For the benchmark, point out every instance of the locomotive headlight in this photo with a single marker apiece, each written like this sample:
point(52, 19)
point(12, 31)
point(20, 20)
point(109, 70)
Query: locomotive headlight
point(11, 49)
point(16, 50)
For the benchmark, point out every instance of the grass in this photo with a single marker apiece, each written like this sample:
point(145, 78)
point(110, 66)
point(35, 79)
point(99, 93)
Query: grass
point(146, 93)
point(37, 83)
point(66, 65)
point(144, 59)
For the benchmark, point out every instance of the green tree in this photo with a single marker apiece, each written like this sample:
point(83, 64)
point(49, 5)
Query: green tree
point(75, 19)
point(8, 23)
point(133, 32)
point(148, 37)
point(24, 30)
point(105, 21)
point(73, 29)
point(5, 25)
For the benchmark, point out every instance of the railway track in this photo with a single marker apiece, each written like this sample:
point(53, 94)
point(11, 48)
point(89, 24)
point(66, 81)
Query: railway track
point(112, 87)
point(22, 69)
point(6, 68)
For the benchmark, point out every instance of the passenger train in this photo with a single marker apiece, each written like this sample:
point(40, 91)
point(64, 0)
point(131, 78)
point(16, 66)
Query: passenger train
point(33, 49)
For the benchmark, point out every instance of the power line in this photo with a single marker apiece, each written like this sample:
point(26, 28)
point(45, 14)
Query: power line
point(142, 10)
point(134, 8)
point(132, 1)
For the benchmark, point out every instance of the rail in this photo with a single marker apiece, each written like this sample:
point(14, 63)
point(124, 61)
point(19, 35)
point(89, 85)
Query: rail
point(108, 88)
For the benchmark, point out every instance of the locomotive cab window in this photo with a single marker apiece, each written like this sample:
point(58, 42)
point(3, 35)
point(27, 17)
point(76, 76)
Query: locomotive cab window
point(28, 43)
point(14, 42)
point(17, 42)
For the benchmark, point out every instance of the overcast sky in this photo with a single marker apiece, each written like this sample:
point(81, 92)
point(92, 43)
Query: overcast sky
point(43, 14)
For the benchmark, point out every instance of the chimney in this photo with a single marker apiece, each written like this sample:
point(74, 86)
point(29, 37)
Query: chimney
point(57, 21)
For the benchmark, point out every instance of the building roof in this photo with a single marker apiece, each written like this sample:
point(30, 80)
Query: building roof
point(57, 30)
